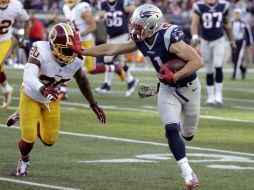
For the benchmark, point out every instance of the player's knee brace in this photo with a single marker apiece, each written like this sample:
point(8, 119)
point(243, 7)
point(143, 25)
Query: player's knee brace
point(209, 79)
point(218, 75)
point(2, 77)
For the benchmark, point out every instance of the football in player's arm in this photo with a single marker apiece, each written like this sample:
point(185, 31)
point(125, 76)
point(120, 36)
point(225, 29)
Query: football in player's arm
point(50, 63)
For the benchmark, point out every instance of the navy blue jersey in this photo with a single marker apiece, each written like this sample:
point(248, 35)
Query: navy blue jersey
point(158, 53)
point(211, 18)
point(116, 18)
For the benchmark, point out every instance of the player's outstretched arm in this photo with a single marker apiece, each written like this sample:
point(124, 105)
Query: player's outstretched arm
point(85, 89)
point(187, 53)
point(102, 50)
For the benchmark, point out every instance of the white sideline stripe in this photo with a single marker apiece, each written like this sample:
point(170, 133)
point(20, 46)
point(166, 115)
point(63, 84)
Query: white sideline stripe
point(139, 141)
point(36, 184)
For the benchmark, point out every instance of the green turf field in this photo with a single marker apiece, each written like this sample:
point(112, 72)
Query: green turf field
point(130, 151)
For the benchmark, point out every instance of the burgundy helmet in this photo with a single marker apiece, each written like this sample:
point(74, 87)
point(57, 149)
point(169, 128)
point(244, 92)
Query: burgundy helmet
point(59, 36)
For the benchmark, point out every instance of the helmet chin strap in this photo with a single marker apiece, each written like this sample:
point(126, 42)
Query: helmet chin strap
point(4, 6)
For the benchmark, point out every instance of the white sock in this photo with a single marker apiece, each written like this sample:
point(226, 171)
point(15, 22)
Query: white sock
point(210, 90)
point(63, 89)
point(112, 68)
point(186, 169)
point(218, 88)
point(108, 77)
point(6, 87)
point(129, 76)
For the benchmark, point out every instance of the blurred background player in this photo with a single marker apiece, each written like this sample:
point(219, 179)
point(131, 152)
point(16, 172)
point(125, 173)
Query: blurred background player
point(81, 16)
point(9, 11)
point(212, 16)
point(116, 15)
point(244, 40)
point(50, 63)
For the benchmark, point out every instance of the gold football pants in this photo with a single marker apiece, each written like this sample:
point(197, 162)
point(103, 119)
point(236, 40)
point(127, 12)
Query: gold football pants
point(5, 48)
point(31, 112)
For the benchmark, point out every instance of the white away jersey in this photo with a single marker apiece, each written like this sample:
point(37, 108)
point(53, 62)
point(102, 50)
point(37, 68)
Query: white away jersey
point(75, 15)
point(50, 72)
point(7, 17)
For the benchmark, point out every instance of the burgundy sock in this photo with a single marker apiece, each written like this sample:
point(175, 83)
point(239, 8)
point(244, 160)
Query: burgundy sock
point(118, 69)
point(2, 77)
point(100, 68)
point(25, 149)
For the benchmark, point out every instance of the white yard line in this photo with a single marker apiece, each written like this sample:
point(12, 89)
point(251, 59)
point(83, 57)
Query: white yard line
point(36, 184)
point(139, 141)
point(112, 107)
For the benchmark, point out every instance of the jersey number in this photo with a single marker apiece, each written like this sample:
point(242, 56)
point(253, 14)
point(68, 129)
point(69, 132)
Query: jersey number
point(4, 25)
point(156, 62)
point(208, 20)
point(51, 81)
point(114, 19)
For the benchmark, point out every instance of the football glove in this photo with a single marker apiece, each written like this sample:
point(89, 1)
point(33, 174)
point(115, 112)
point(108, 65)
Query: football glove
point(50, 93)
point(166, 74)
point(146, 91)
point(76, 45)
point(99, 112)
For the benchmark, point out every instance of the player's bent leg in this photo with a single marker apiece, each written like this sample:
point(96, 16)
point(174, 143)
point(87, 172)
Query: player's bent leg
point(29, 115)
point(177, 148)
point(50, 123)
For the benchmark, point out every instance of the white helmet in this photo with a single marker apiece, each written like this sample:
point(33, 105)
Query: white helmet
point(146, 21)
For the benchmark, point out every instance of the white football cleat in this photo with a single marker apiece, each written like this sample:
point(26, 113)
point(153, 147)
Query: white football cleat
point(22, 168)
point(210, 100)
point(191, 184)
point(7, 98)
point(218, 99)
point(131, 87)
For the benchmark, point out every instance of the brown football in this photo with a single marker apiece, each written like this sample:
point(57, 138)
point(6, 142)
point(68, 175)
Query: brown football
point(175, 64)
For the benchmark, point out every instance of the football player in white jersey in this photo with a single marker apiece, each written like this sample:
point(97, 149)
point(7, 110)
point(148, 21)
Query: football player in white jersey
point(9, 11)
point(80, 15)
point(50, 63)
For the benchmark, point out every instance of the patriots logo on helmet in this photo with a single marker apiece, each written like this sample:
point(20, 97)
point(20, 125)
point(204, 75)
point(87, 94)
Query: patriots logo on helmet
point(146, 14)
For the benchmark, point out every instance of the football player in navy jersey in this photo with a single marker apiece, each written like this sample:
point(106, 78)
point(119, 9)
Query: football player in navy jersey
point(116, 15)
point(212, 16)
point(179, 91)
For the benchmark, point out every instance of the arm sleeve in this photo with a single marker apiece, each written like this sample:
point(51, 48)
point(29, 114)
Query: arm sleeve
point(196, 9)
point(173, 34)
point(67, 12)
point(226, 9)
point(85, 8)
point(22, 12)
point(127, 3)
point(98, 6)
point(30, 78)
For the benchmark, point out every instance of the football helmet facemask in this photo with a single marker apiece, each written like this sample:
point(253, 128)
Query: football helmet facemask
point(4, 4)
point(60, 35)
point(145, 22)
